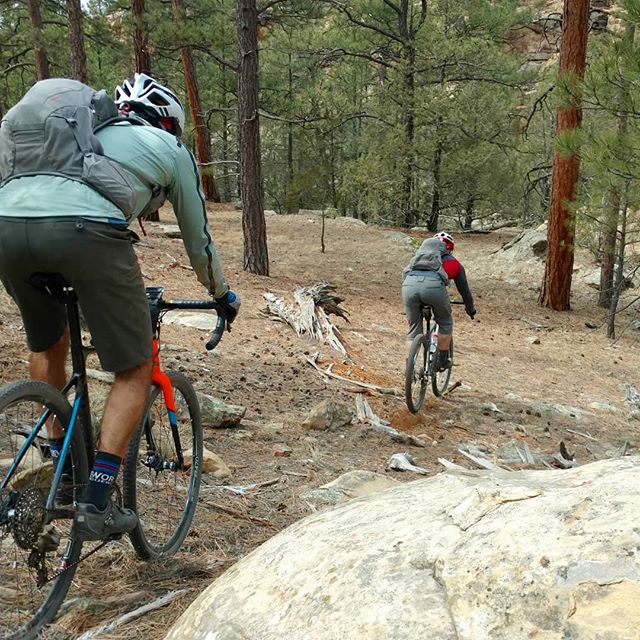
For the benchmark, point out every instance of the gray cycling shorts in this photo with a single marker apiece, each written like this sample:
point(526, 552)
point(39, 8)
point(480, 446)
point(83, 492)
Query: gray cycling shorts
point(98, 260)
point(420, 290)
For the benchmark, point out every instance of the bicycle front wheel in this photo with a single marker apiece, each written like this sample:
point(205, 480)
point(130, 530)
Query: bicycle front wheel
point(37, 550)
point(440, 379)
point(415, 380)
point(163, 494)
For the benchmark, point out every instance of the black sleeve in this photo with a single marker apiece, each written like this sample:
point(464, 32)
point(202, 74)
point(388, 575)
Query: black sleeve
point(463, 289)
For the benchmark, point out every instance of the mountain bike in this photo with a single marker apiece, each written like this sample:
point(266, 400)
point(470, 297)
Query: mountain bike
point(420, 369)
point(39, 552)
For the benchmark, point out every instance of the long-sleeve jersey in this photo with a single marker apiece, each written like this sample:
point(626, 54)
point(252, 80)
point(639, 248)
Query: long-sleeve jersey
point(455, 271)
point(158, 160)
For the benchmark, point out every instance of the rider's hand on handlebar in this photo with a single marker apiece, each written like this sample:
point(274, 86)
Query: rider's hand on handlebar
point(229, 305)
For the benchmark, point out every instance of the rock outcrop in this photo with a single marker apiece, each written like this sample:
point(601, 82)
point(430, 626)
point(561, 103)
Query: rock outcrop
point(470, 556)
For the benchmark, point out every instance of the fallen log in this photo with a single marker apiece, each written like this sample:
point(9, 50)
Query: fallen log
point(328, 373)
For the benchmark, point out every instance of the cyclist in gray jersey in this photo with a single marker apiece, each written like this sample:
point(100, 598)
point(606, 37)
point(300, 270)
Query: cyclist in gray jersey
point(50, 224)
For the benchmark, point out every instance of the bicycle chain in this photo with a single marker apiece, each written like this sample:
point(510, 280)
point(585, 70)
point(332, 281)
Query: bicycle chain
point(66, 567)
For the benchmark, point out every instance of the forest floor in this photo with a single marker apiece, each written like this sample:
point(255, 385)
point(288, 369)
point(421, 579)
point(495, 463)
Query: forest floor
point(528, 376)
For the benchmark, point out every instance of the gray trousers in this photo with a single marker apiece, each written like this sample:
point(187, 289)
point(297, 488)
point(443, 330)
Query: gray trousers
point(418, 291)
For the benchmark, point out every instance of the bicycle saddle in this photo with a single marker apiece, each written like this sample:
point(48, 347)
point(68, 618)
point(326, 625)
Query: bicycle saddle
point(52, 283)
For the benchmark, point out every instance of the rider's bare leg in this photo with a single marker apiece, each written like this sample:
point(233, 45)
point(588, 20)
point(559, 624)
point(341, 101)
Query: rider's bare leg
point(49, 366)
point(124, 408)
point(444, 342)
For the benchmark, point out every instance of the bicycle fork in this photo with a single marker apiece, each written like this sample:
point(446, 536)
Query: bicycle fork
point(155, 460)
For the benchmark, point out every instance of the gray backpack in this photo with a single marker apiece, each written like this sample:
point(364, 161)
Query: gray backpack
point(51, 132)
point(429, 258)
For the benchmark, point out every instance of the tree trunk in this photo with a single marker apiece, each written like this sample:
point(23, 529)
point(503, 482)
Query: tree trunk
point(469, 211)
point(608, 248)
point(42, 62)
point(408, 122)
point(226, 180)
point(618, 280)
point(142, 61)
point(256, 256)
point(556, 286)
point(408, 114)
point(612, 215)
point(434, 215)
point(76, 40)
point(289, 204)
point(201, 132)
point(140, 45)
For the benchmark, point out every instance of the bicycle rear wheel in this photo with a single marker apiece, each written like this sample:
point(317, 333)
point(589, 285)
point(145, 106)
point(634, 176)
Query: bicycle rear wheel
point(415, 379)
point(35, 543)
point(164, 496)
point(440, 379)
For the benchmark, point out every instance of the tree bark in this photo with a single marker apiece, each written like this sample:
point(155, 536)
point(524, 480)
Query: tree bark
point(434, 214)
point(226, 180)
point(40, 53)
point(608, 248)
point(618, 280)
point(612, 215)
point(289, 204)
point(408, 116)
point(469, 210)
point(201, 132)
point(256, 256)
point(140, 44)
point(556, 286)
point(76, 40)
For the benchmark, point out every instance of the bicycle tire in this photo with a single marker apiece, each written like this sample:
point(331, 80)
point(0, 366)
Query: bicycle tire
point(68, 550)
point(417, 353)
point(139, 495)
point(440, 379)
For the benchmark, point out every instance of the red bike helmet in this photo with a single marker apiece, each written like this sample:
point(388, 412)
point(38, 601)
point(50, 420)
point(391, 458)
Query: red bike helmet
point(447, 239)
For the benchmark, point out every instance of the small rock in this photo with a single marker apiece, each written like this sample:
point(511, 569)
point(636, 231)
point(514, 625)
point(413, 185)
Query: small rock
point(634, 415)
point(603, 406)
point(219, 414)
point(281, 451)
point(635, 325)
point(193, 319)
point(489, 407)
point(211, 463)
point(328, 415)
point(175, 348)
point(170, 230)
point(533, 340)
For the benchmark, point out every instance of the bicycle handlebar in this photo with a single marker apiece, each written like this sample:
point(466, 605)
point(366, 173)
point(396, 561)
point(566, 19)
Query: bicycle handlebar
point(221, 323)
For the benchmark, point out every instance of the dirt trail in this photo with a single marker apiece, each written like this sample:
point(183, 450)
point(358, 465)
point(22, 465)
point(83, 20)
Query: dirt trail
point(261, 365)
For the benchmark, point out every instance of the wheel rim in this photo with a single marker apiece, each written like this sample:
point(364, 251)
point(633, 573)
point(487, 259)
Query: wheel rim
point(163, 495)
point(417, 381)
point(441, 378)
point(34, 543)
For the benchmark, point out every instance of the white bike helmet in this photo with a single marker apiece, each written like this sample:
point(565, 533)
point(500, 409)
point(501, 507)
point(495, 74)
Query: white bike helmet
point(447, 239)
point(152, 101)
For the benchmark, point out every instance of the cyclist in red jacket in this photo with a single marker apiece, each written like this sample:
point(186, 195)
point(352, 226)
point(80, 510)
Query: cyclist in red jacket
point(424, 284)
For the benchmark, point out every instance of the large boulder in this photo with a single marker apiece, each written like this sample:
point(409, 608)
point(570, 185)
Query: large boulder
point(470, 556)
